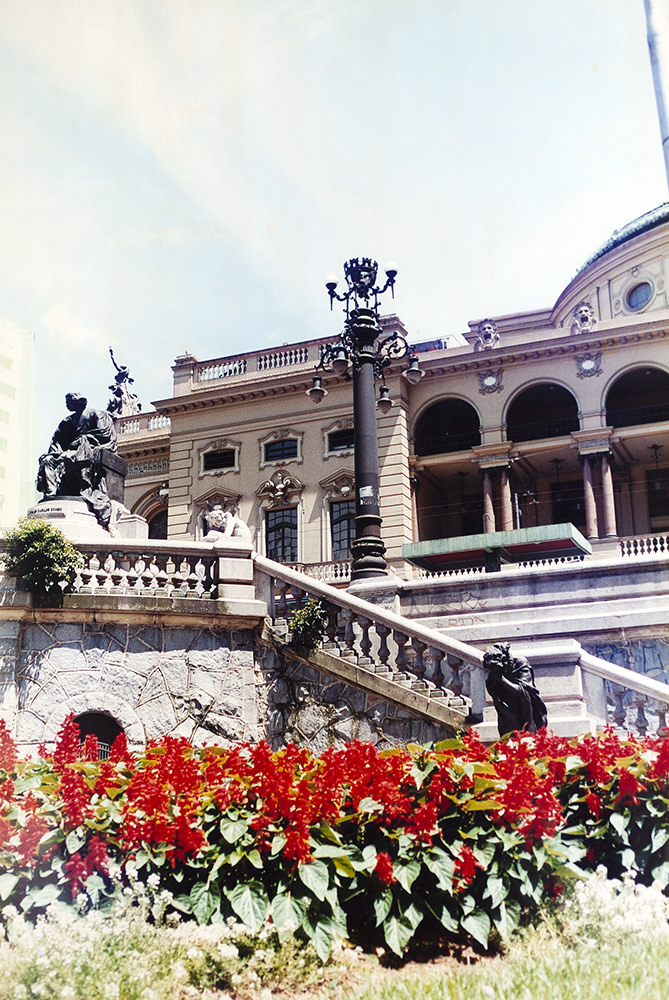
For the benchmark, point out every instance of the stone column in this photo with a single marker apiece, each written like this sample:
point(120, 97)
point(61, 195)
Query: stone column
point(608, 501)
point(488, 503)
point(591, 526)
point(507, 506)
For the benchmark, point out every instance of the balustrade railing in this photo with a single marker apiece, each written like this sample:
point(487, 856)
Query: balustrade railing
point(282, 358)
point(333, 573)
point(285, 357)
point(227, 368)
point(141, 422)
point(630, 697)
point(378, 640)
point(647, 545)
point(154, 569)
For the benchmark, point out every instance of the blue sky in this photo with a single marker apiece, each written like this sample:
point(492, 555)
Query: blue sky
point(182, 174)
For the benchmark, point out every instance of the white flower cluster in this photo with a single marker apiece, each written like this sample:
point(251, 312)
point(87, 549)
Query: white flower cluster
point(600, 909)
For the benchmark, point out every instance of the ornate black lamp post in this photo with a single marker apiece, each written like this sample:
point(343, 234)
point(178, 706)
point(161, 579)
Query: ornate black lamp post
point(363, 346)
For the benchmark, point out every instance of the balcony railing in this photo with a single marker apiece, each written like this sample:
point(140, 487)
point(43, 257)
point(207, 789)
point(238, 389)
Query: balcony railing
point(630, 416)
point(262, 361)
point(142, 423)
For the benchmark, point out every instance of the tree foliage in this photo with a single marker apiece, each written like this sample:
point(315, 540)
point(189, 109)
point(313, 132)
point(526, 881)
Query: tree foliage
point(43, 560)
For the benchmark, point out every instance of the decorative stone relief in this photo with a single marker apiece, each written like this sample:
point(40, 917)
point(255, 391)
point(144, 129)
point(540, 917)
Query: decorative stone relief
point(588, 365)
point(584, 318)
point(488, 335)
point(149, 467)
point(280, 489)
point(490, 381)
point(203, 506)
point(338, 486)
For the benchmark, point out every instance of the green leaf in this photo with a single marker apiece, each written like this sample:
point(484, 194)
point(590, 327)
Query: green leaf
point(442, 866)
point(232, 829)
point(204, 901)
point(397, 932)
point(619, 823)
point(250, 903)
point(509, 917)
point(8, 882)
point(287, 912)
point(495, 890)
point(477, 924)
point(382, 905)
point(442, 913)
point(323, 934)
point(659, 837)
point(407, 873)
point(40, 897)
point(75, 841)
point(315, 876)
point(369, 805)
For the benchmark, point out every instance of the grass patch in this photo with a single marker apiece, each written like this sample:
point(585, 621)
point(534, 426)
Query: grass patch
point(608, 940)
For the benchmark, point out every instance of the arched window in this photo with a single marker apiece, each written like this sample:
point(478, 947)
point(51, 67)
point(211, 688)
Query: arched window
point(446, 426)
point(158, 525)
point(102, 726)
point(640, 396)
point(541, 411)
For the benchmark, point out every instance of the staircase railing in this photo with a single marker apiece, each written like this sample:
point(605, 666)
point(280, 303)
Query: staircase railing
point(375, 636)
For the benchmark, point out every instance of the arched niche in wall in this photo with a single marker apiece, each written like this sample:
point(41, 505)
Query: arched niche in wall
point(639, 396)
point(542, 410)
point(153, 508)
point(446, 426)
point(104, 727)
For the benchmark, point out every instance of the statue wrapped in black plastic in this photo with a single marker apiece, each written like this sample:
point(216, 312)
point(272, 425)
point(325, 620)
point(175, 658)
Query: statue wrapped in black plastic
point(510, 684)
point(74, 465)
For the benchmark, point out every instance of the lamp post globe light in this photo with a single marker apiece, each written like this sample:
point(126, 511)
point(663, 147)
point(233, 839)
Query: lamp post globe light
point(363, 348)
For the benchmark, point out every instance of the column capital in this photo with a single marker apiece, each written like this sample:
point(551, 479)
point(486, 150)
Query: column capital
point(494, 456)
point(589, 443)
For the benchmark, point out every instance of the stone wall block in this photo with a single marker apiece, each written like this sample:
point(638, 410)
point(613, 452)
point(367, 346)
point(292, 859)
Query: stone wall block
point(122, 683)
point(37, 637)
point(78, 681)
point(158, 717)
point(68, 657)
point(154, 688)
point(151, 637)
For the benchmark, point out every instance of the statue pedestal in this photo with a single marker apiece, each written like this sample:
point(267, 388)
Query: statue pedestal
point(73, 516)
point(78, 522)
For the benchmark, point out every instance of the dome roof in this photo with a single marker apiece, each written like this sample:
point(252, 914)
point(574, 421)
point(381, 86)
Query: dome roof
point(649, 220)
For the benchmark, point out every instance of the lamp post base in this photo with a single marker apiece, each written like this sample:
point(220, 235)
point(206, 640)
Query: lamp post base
point(368, 558)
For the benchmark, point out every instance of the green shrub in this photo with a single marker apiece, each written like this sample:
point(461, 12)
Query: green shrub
point(307, 625)
point(43, 559)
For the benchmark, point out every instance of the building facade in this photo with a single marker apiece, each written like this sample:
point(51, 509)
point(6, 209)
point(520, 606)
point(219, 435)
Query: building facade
point(546, 417)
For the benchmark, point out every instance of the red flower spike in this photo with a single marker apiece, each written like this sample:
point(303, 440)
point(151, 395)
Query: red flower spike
point(384, 868)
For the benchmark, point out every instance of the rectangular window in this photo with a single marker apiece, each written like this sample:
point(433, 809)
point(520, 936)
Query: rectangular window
point(341, 440)
point(342, 527)
point(7, 390)
point(225, 459)
point(276, 451)
point(281, 534)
